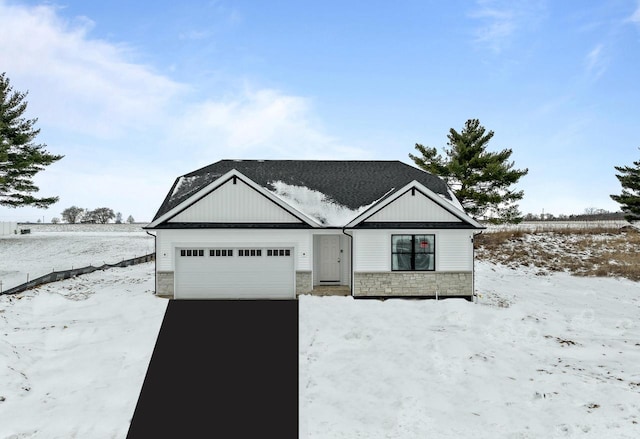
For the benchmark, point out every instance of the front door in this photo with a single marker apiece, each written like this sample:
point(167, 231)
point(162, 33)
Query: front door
point(330, 259)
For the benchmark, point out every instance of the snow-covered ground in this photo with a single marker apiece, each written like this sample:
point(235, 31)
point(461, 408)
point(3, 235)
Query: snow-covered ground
point(64, 246)
point(73, 354)
point(537, 357)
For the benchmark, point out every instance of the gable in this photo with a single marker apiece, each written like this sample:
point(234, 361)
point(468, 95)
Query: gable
point(234, 201)
point(413, 206)
point(348, 183)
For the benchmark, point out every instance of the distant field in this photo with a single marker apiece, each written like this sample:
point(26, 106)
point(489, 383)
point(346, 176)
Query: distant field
point(55, 247)
point(549, 226)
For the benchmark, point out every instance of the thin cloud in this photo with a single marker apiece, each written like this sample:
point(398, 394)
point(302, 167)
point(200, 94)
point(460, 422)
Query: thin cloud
point(91, 86)
point(500, 21)
point(103, 110)
point(258, 123)
point(635, 17)
point(595, 62)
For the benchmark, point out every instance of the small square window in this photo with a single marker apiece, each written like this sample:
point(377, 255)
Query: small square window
point(258, 252)
point(200, 252)
point(253, 252)
point(229, 252)
point(269, 252)
point(287, 252)
point(188, 252)
point(281, 251)
point(183, 252)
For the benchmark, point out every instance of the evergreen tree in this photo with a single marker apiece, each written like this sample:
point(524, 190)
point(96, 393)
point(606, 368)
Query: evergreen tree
point(130, 220)
point(629, 199)
point(481, 180)
point(20, 157)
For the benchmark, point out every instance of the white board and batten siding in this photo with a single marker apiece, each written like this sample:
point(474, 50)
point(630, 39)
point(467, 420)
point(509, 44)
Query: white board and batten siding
point(234, 203)
point(413, 208)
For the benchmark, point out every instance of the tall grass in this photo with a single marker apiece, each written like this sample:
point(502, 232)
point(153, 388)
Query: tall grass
point(596, 251)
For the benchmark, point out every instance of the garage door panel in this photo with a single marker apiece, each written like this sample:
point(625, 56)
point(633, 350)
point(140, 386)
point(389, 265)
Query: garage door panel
point(230, 277)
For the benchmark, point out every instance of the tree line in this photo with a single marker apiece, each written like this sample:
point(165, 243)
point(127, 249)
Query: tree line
point(100, 215)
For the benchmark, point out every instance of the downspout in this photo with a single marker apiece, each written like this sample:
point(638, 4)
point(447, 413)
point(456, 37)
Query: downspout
point(155, 262)
point(473, 267)
point(351, 262)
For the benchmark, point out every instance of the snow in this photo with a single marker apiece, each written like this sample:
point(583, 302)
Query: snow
point(73, 354)
point(64, 247)
point(316, 204)
point(536, 357)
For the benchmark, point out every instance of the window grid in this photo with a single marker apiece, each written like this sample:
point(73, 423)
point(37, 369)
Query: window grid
point(279, 252)
point(250, 252)
point(192, 252)
point(218, 252)
point(413, 252)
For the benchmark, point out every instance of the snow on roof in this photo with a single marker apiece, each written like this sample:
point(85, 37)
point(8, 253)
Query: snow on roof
point(316, 204)
point(453, 201)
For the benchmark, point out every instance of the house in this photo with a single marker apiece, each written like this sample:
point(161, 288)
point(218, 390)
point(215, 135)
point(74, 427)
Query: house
point(279, 228)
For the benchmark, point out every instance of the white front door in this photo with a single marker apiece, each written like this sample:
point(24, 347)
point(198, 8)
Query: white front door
point(330, 259)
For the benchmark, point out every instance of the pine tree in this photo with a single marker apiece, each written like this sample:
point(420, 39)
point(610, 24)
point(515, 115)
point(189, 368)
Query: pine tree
point(629, 199)
point(20, 157)
point(481, 180)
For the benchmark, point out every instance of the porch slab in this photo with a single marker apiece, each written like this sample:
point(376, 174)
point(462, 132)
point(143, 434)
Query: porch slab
point(331, 290)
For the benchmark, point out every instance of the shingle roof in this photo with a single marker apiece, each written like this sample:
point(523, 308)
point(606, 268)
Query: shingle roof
point(349, 183)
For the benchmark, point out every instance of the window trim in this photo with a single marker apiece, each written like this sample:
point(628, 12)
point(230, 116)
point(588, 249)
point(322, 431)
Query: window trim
point(413, 253)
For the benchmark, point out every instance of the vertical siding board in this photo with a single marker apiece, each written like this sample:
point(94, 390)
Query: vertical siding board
point(235, 203)
point(372, 250)
point(413, 208)
point(455, 250)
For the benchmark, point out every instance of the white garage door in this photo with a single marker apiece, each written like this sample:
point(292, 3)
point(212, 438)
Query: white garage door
point(234, 273)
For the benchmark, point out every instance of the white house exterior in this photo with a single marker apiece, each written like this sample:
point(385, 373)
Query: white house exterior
point(276, 229)
point(8, 228)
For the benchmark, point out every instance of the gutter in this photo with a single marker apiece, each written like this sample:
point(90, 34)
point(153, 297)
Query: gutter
point(473, 266)
point(155, 262)
point(351, 257)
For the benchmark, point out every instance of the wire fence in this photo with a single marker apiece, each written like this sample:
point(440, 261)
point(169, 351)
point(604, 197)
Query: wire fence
point(56, 276)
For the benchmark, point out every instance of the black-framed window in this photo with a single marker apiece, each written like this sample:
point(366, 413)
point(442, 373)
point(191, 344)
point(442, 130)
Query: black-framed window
point(192, 252)
point(250, 252)
point(413, 252)
point(221, 252)
point(279, 252)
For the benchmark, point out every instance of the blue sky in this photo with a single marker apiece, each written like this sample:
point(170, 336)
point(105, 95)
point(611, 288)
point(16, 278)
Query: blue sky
point(136, 93)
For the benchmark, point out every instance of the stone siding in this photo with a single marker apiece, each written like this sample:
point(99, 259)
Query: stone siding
point(164, 284)
point(304, 282)
point(416, 283)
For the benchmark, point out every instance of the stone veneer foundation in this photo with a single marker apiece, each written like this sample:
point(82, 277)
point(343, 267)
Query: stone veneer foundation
point(304, 282)
point(164, 284)
point(459, 283)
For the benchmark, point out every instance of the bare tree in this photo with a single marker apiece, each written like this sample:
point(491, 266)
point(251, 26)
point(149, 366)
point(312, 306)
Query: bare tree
point(73, 214)
point(102, 215)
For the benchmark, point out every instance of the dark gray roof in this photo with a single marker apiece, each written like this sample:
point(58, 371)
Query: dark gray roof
point(350, 183)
